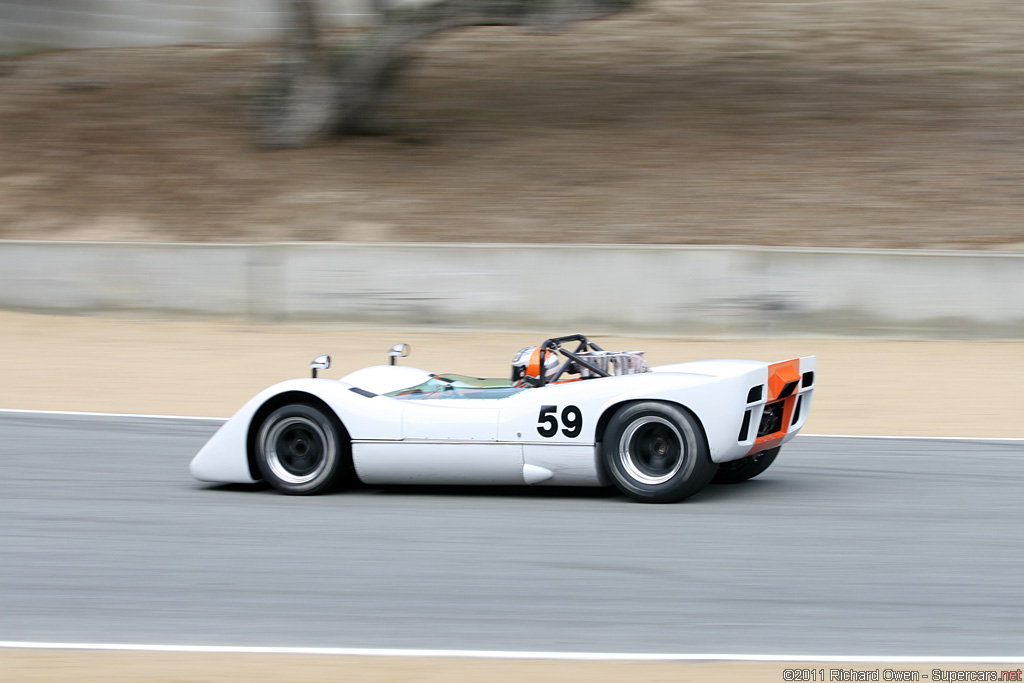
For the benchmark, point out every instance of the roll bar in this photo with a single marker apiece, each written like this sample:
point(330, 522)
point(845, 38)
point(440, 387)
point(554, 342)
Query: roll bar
point(554, 345)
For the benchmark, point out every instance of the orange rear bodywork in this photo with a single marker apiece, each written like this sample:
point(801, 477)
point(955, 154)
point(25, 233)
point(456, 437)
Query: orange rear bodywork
point(779, 375)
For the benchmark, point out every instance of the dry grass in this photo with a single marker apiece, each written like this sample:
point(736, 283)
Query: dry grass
point(808, 122)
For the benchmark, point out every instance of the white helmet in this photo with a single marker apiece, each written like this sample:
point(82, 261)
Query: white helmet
point(527, 364)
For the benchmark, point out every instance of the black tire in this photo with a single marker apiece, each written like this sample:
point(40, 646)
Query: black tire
point(301, 451)
point(656, 452)
point(745, 468)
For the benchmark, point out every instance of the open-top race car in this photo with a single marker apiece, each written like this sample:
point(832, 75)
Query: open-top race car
point(571, 414)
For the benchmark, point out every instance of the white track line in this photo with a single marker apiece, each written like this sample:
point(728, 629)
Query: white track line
point(505, 654)
point(75, 413)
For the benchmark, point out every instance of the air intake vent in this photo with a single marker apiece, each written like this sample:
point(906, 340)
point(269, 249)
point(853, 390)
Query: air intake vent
point(808, 379)
point(788, 390)
point(771, 420)
point(755, 393)
point(796, 411)
point(745, 427)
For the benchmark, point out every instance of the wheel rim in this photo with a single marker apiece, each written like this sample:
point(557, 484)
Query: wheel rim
point(297, 449)
point(651, 450)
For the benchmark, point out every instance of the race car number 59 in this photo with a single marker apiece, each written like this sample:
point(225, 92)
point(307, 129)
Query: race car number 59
point(547, 421)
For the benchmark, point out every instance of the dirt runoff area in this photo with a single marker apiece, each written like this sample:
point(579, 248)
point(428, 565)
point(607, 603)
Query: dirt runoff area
point(928, 388)
point(850, 123)
point(211, 368)
point(130, 667)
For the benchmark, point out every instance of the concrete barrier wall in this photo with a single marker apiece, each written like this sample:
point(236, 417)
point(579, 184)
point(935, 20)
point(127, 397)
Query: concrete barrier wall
point(672, 289)
point(45, 24)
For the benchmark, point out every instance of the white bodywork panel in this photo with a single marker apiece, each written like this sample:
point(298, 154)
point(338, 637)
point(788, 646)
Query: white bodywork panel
point(569, 465)
point(500, 440)
point(451, 420)
point(380, 379)
point(223, 458)
point(438, 463)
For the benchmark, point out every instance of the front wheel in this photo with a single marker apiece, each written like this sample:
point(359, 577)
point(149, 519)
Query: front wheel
point(745, 468)
point(656, 452)
point(300, 450)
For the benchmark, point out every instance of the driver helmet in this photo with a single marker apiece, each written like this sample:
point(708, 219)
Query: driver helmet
point(527, 364)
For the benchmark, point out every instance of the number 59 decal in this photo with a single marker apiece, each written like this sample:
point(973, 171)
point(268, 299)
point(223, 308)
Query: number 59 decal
point(547, 422)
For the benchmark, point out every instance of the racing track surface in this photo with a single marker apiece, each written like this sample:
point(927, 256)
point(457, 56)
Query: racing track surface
point(845, 547)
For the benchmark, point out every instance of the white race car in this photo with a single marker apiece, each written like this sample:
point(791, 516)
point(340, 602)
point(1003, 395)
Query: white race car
point(572, 414)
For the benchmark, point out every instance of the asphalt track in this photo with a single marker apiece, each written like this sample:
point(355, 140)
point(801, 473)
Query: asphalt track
point(854, 546)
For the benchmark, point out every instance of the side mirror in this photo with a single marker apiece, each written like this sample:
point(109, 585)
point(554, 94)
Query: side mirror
point(320, 363)
point(399, 351)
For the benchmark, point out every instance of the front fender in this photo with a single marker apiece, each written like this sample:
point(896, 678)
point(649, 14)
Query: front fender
point(224, 457)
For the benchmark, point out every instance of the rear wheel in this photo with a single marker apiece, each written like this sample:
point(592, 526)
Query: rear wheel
point(745, 468)
point(300, 450)
point(656, 452)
